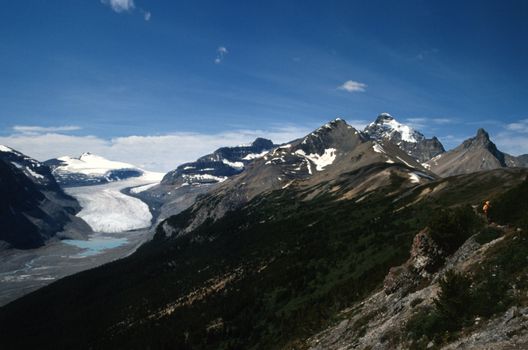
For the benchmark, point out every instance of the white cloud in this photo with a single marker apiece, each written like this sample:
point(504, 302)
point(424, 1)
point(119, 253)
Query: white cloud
point(352, 86)
point(33, 129)
point(221, 52)
point(427, 122)
point(120, 5)
point(154, 152)
point(147, 15)
point(520, 126)
point(512, 143)
point(513, 139)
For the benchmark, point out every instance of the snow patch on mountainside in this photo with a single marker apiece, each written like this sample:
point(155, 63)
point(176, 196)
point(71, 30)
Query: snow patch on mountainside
point(407, 133)
point(5, 149)
point(143, 188)
point(404, 162)
point(207, 177)
point(320, 161)
point(252, 156)
point(414, 178)
point(34, 174)
point(377, 148)
point(235, 165)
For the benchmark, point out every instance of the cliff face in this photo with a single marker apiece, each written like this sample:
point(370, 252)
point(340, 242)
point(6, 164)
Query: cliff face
point(33, 208)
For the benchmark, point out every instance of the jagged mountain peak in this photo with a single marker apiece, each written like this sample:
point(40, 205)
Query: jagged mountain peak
point(411, 141)
point(474, 154)
point(482, 140)
point(262, 143)
point(387, 127)
point(382, 117)
point(481, 133)
point(334, 134)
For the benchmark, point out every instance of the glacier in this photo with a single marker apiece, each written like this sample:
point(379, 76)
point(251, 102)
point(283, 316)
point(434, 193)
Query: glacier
point(108, 210)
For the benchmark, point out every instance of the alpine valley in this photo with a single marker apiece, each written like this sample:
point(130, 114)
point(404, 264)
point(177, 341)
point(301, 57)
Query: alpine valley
point(341, 239)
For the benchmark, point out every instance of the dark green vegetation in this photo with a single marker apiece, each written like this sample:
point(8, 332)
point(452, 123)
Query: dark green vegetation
point(265, 276)
point(451, 227)
point(498, 283)
point(511, 207)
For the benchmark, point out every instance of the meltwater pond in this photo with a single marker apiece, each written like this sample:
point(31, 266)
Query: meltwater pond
point(95, 245)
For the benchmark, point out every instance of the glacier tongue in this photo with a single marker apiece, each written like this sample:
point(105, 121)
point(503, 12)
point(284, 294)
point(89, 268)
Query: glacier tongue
point(108, 210)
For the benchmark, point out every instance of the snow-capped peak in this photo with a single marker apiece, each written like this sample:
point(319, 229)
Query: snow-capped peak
point(91, 164)
point(386, 126)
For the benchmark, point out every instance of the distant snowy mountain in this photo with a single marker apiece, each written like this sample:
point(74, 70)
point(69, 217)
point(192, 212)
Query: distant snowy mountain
point(180, 187)
point(90, 169)
point(33, 208)
point(414, 143)
point(219, 165)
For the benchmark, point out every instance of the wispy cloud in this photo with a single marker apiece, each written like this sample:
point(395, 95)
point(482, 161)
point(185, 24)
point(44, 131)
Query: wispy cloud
point(513, 139)
point(353, 86)
point(120, 5)
point(221, 52)
point(428, 122)
point(33, 129)
point(520, 126)
point(426, 53)
point(152, 152)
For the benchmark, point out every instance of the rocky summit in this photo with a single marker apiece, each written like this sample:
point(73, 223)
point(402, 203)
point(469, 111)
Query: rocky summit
point(474, 154)
point(411, 141)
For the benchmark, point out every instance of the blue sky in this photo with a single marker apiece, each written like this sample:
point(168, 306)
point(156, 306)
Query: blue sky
point(90, 74)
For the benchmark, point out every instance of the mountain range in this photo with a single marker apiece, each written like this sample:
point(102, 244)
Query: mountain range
point(179, 188)
point(339, 239)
